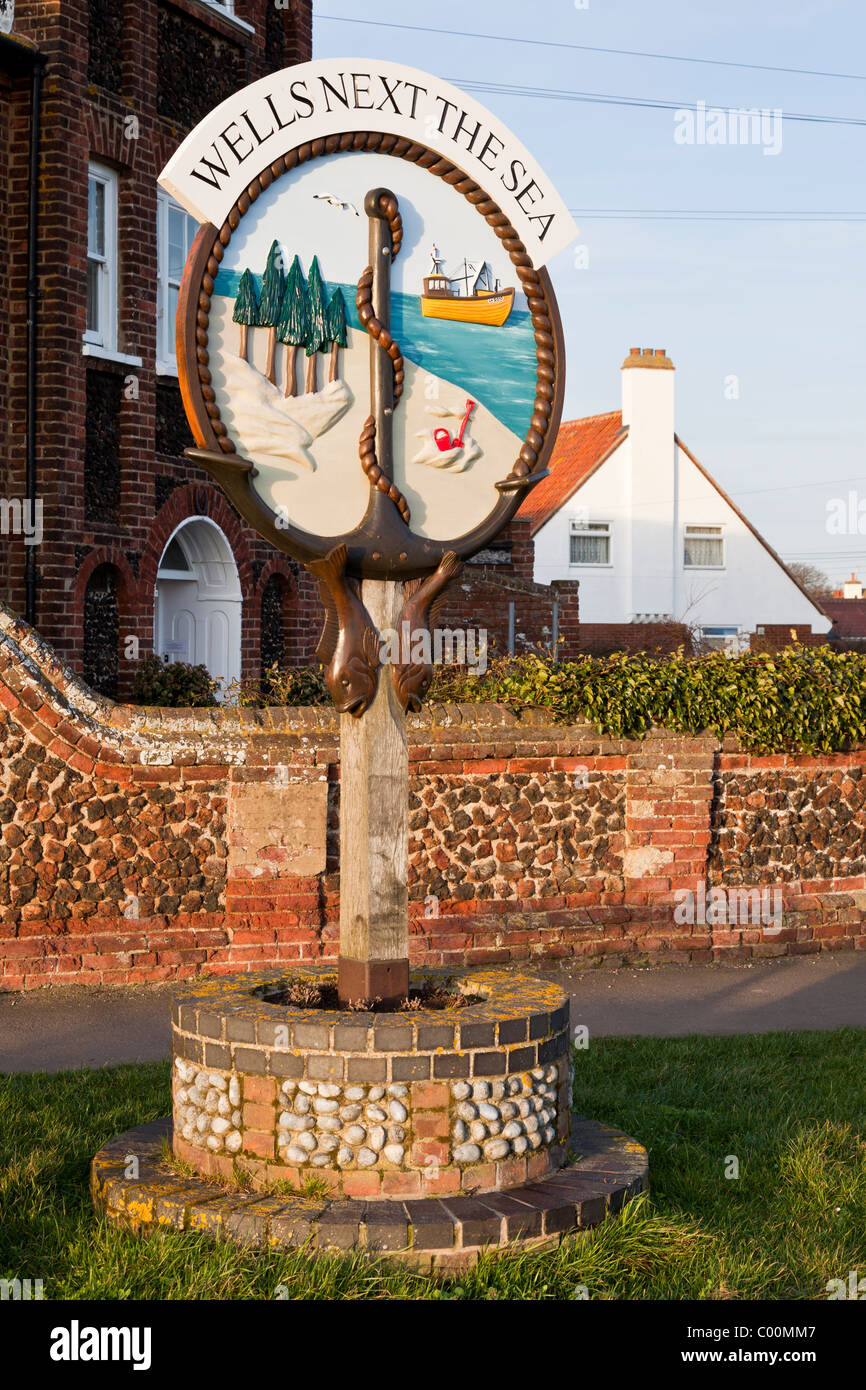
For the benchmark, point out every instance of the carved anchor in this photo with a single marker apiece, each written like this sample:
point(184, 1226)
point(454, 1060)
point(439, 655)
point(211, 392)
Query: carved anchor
point(349, 645)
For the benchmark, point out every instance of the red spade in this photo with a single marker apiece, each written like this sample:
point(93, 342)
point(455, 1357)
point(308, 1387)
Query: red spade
point(443, 438)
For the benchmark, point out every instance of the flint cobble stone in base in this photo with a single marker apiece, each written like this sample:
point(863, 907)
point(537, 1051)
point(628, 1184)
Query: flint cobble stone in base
point(429, 1103)
point(432, 1234)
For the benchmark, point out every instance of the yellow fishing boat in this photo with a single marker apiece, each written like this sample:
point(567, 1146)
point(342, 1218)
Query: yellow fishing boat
point(482, 302)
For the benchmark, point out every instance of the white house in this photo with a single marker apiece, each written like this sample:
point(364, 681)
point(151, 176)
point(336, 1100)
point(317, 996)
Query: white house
point(630, 512)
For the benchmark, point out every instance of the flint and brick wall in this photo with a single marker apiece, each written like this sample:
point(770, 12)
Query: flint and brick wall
point(143, 845)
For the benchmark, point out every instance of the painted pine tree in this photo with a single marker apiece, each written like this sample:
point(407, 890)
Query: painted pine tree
point(336, 331)
point(271, 303)
point(246, 310)
point(294, 321)
point(317, 335)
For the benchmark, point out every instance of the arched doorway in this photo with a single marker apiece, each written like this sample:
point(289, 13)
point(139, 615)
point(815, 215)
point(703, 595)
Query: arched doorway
point(275, 598)
point(197, 608)
point(101, 631)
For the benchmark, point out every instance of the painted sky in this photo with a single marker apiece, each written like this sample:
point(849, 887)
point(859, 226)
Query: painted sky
point(431, 211)
point(778, 305)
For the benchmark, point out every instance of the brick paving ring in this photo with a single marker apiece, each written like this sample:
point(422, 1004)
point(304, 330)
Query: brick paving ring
point(428, 1132)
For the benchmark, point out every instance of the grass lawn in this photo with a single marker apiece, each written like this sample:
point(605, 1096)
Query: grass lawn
point(790, 1106)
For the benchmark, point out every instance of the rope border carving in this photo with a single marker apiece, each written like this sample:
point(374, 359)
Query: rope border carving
point(371, 325)
point(400, 148)
point(379, 333)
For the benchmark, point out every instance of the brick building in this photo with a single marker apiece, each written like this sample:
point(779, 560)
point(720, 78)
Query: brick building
point(133, 537)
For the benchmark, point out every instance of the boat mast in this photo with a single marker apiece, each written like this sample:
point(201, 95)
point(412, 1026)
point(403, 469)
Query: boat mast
point(483, 278)
point(471, 276)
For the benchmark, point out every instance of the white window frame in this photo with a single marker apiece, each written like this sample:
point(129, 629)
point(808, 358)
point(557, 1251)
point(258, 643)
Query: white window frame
point(227, 9)
point(166, 362)
point(104, 336)
point(579, 526)
point(710, 531)
point(732, 637)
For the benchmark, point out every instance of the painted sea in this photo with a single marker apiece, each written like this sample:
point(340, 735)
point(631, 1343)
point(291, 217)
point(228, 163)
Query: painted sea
point(495, 366)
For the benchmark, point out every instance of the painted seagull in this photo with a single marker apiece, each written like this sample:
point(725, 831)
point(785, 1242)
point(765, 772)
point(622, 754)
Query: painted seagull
point(337, 203)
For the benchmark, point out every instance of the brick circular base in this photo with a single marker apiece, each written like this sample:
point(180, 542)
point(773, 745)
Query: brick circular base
point(433, 1234)
point(416, 1103)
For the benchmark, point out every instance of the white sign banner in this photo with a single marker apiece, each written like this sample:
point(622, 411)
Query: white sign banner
point(239, 138)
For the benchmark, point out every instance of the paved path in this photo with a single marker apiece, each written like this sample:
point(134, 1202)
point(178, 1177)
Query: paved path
point(51, 1030)
point(808, 992)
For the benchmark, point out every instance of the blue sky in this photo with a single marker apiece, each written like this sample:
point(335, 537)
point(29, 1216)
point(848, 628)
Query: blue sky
point(777, 305)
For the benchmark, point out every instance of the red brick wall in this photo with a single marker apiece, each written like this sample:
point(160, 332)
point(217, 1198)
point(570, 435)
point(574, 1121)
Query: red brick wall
point(482, 597)
point(776, 636)
point(14, 166)
point(527, 840)
point(601, 639)
point(494, 580)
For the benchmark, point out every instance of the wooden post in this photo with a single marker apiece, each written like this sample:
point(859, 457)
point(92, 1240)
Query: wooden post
point(374, 754)
point(374, 832)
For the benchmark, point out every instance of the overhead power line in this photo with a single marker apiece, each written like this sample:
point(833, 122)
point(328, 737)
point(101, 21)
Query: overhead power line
point(797, 487)
point(825, 556)
point(710, 215)
point(686, 499)
point(591, 48)
point(643, 103)
point(724, 212)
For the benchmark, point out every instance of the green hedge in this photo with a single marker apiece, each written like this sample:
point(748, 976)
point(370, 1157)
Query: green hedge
point(806, 699)
point(172, 684)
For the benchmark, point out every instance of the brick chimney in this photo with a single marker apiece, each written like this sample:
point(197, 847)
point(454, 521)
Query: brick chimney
point(648, 410)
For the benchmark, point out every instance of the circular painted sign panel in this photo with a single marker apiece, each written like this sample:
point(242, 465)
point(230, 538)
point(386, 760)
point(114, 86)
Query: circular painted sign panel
point(369, 351)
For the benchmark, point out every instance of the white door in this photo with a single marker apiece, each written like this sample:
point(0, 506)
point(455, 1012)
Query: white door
point(176, 636)
point(197, 616)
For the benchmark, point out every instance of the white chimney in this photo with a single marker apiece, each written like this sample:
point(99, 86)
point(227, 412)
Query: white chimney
point(648, 411)
point(852, 588)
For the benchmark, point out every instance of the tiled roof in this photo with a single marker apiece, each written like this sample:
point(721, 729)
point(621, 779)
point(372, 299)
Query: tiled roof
point(581, 446)
point(850, 615)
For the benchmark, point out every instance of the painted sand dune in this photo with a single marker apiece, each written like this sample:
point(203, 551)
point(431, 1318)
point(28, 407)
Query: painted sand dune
point(277, 426)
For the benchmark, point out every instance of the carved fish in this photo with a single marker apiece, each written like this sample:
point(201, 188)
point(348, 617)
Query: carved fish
point(349, 645)
point(413, 679)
